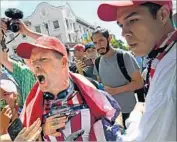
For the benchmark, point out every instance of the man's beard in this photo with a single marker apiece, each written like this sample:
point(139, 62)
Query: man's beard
point(107, 49)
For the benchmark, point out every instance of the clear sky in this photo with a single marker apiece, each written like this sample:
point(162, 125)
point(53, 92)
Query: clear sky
point(86, 10)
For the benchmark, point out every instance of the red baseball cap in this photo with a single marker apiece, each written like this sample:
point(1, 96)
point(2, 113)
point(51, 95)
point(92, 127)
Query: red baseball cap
point(79, 47)
point(24, 50)
point(108, 11)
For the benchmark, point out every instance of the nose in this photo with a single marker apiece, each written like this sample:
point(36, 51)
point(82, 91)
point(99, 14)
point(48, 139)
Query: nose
point(126, 32)
point(36, 66)
point(97, 45)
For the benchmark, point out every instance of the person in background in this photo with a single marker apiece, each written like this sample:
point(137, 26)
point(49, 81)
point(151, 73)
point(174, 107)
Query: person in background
point(9, 96)
point(19, 71)
point(78, 50)
point(110, 74)
point(90, 51)
point(79, 57)
point(91, 55)
point(84, 60)
point(148, 28)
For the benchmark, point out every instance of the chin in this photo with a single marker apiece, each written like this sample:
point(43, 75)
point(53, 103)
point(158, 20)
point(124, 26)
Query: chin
point(102, 53)
point(138, 53)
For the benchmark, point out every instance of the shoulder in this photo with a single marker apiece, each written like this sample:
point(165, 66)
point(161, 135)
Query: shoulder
point(125, 53)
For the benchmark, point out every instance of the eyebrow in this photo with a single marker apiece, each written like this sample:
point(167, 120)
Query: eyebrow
point(130, 15)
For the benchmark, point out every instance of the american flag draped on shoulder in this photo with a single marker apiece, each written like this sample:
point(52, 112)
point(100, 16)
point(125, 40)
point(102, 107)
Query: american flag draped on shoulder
point(101, 104)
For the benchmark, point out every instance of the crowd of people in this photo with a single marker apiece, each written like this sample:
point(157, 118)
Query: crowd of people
point(57, 91)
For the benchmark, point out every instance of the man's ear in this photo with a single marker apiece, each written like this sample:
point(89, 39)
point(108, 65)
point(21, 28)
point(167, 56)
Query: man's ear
point(164, 14)
point(64, 61)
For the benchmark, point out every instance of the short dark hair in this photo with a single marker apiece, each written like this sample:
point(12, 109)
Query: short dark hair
point(100, 30)
point(154, 8)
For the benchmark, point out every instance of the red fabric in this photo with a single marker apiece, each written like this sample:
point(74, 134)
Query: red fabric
point(161, 55)
point(76, 126)
point(153, 62)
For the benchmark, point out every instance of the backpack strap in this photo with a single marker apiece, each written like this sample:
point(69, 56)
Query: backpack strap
point(97, 62)
point(121, 64)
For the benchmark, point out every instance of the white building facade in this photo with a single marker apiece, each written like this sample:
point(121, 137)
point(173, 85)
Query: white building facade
point(60, 22)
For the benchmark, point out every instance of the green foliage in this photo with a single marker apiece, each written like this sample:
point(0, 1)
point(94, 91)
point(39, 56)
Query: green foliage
point(118, 44)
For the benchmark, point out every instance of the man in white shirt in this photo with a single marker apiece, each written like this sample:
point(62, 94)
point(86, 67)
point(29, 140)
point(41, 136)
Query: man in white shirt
point(148, 29)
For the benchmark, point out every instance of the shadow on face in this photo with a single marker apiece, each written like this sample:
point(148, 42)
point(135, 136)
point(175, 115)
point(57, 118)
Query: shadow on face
point(140, 28)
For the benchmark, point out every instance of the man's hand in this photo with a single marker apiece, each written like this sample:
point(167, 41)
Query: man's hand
point(23, 28)
point(2, 27)
point(30, 133)
point(110, 90)
point(5, 117)
point(80, 66)
point(54, 123)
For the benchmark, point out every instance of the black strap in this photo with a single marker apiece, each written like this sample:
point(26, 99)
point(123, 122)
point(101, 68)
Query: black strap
point(120, 61)
point(97, 62)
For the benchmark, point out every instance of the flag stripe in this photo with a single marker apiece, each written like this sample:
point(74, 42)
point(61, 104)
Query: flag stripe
point(67, 130)
point(86, 123)
point(76, 124)
point(99, 131)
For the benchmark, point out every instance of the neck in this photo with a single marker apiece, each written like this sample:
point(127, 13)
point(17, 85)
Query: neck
point(166, 32)
point(57, 90)
point(169, 30)
point(110, 52)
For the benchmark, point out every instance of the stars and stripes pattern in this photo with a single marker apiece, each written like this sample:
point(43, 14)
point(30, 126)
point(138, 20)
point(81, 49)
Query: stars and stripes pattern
point(101, 106)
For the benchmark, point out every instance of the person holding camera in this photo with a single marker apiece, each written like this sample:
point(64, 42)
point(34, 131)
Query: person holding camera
point(18, 70)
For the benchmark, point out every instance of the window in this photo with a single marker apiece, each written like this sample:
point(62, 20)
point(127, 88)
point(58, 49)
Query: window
point(84, 30)
point(11, 36)
point(46, 26)
point(80, 28)
point(38, 29)
point(74, 25)
point(69, 37)
point(67, 23)
point(71, 25)
point(59, 37)
point(56, 24)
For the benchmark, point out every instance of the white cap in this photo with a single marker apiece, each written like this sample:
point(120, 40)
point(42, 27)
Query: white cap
point(7, 84)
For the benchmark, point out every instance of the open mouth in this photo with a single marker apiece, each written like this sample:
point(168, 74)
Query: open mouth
point(41, 79)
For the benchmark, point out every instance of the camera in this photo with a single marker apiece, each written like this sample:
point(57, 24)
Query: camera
point(14, 15)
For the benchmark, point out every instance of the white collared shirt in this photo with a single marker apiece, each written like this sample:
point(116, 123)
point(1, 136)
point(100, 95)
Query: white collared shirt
point(158, 123)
